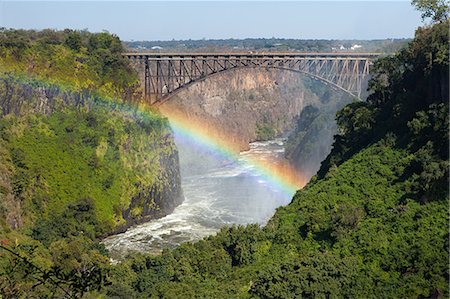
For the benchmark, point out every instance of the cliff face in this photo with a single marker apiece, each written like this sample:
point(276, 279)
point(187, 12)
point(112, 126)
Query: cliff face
point(245, 105)
point(61, 149)
point(156, 200)
point(310, 141)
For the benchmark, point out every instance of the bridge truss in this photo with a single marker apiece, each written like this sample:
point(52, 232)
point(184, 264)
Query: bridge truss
point(165, 74)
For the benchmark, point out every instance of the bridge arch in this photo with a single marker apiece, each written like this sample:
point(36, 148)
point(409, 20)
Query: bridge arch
point(167, 96)
point(164, 75)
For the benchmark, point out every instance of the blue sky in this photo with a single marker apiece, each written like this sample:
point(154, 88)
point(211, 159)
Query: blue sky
point(153, 20)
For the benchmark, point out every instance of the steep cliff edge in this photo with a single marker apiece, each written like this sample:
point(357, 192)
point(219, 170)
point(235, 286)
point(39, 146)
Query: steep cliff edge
point(77, 157)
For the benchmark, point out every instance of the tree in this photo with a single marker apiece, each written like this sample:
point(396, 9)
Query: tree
point(437, 10)
point(73, 40)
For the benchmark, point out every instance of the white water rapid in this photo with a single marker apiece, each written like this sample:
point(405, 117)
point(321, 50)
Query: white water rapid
point(217, 192)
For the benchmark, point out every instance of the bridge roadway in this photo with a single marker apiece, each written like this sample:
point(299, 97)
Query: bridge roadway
point(165, 74)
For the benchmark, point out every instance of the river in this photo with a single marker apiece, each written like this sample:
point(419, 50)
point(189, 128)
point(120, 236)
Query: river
point(218, 191)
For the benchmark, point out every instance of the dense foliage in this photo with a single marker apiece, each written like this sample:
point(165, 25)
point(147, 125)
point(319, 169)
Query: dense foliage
point(410, 102)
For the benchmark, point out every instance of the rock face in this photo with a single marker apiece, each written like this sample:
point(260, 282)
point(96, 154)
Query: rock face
point(157, 200)
point(246, 104)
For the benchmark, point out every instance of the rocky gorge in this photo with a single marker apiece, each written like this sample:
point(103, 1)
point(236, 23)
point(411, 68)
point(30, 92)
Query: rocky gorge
point(255, 104)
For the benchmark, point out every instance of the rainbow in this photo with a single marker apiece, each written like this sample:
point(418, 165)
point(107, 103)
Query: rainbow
point(280, 175)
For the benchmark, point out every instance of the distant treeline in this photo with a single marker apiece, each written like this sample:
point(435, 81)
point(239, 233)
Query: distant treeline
point(273, 44)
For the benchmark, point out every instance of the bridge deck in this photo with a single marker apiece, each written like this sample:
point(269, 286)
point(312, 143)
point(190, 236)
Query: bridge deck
point(276, 55)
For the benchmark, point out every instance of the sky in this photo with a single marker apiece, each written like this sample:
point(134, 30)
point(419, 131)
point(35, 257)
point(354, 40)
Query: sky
point(158, 20)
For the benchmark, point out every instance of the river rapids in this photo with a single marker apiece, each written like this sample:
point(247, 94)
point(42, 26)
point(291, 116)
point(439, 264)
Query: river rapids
point(218, 192)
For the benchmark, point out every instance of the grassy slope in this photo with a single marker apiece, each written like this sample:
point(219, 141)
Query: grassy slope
point(63, 140)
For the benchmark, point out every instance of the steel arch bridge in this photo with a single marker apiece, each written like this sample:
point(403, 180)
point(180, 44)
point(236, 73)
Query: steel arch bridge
point(165, 74)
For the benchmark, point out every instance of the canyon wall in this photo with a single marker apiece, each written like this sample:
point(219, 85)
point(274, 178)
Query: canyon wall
point(244, 105)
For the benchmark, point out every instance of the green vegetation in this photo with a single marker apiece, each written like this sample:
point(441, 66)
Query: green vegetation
point(265, 131)
point(437, 10)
